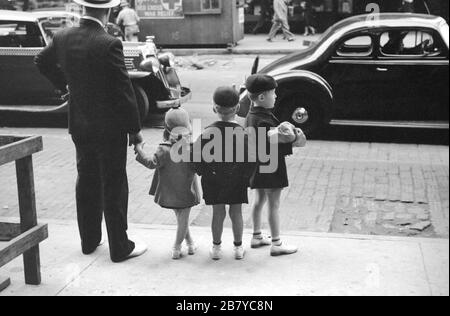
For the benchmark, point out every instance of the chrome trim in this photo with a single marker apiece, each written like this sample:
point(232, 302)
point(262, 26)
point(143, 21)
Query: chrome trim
point(20, 51)
point(174, 103)
point(395, 124)
point(35, 108)
point(390, 62)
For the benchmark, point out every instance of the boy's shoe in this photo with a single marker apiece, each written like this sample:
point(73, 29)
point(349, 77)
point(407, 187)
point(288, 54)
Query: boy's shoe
point(282, 250)
point(192, 249)
point(177, 254)
point(261, 242)
point(216, 252)
point(239, 252)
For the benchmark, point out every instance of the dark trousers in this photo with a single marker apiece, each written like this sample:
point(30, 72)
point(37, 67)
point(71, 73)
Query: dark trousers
point(102, 188)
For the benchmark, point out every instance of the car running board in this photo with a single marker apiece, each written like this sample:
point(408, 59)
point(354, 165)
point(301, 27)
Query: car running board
point(34, 108)
point(396, 124)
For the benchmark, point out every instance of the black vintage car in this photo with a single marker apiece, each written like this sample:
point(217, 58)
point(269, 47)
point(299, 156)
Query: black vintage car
point(22, 88)
point(388, 70)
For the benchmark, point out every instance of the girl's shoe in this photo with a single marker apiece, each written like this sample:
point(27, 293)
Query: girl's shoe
point(261, 242)
point(282, 250)
point(177, 254)
point(192, 249)
point(216, 252)
point(239, 253)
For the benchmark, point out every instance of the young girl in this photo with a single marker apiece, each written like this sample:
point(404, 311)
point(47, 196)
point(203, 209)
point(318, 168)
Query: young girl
point(175, 185)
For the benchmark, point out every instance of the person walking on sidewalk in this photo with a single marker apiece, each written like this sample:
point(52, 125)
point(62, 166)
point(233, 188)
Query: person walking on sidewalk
point(265, 16)
point(102, 113)
point(281, 20)
point(129, 21)
point(308, 18)
point(407, 6)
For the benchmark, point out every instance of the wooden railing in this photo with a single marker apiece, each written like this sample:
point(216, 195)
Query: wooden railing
point(24, 238)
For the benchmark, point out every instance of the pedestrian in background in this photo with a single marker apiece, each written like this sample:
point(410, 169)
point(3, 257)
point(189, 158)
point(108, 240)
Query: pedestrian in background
point(265, 15)
point(129, 20)
point(281, 20)
point(308, 18)
point(407, 6)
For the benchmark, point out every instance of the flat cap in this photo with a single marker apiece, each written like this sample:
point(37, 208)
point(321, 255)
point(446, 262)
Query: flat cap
point(226, 97)
point(260, 83)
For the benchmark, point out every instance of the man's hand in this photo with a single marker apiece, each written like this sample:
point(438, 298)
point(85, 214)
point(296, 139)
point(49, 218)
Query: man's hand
point(135, 139)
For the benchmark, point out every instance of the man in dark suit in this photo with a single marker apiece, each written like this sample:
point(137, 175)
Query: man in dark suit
point(102, 113)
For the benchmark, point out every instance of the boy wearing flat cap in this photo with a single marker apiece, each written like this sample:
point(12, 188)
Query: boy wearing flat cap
point(225, 175)
point(267, 186)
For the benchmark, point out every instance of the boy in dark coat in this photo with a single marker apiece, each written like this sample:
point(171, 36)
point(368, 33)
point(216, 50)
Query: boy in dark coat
point(268, 186)
point(224, 170)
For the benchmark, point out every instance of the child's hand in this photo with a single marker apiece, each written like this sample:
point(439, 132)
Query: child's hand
point(300, 138)
point(139, 149)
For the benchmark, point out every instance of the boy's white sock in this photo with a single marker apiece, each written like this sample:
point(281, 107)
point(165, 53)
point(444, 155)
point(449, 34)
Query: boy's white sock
point(277, 242)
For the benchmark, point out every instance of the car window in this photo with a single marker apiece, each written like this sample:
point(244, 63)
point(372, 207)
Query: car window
point(55, 24)
point(409, 43)
point(20, 34)
point(359, 46)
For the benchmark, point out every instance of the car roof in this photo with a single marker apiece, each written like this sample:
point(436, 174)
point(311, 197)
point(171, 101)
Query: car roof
point(391, 20)
point(8, 15)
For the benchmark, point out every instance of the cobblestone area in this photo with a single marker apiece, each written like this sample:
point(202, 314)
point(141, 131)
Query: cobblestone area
point(335, 186)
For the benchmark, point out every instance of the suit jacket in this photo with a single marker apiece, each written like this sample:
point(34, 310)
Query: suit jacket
point(91, 63)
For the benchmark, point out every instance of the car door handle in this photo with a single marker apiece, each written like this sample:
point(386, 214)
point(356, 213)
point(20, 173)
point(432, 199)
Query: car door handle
point(381, 69)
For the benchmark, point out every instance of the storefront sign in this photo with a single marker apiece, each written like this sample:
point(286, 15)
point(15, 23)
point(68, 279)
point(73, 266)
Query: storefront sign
point(160, 9)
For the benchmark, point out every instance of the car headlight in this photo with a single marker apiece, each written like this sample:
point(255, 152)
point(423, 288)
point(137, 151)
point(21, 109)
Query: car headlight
point(151, 64)
point(167, 59)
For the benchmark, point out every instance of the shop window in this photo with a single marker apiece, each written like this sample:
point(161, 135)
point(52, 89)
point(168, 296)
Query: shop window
point(409, 43)
point(360, 46)
point(193, 7)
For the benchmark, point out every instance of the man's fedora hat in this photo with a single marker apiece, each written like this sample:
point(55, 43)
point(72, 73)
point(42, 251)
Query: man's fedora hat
point(99, 4)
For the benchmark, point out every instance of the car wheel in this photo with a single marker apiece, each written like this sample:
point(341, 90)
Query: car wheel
point(302, 110)
point(142, 102)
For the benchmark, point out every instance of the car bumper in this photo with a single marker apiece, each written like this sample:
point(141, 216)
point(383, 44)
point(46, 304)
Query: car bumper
point(186, 95)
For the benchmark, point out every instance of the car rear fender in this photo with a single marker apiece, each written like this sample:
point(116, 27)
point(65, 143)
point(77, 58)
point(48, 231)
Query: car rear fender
point(298, 81)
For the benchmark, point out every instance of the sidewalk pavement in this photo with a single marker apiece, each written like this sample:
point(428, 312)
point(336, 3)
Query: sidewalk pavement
point(328, 264)
point(252, 45)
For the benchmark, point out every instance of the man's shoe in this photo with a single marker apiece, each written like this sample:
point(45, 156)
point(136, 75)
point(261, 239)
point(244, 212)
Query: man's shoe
point(270, 40)
point(139, 250)
point(239, 252)
point(261, 242)
point(291, 39)
point(216, 252)
point(282, 250)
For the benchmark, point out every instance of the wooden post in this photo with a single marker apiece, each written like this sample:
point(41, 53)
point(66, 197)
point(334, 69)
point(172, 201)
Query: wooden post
point(4, 283)
point(28, 217)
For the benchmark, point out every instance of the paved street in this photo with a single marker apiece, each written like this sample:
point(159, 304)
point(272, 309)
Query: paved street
point(337, 184)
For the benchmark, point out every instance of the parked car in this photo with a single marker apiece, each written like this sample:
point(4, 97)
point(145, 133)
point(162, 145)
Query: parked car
point(22, 88)
point(392, 71)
